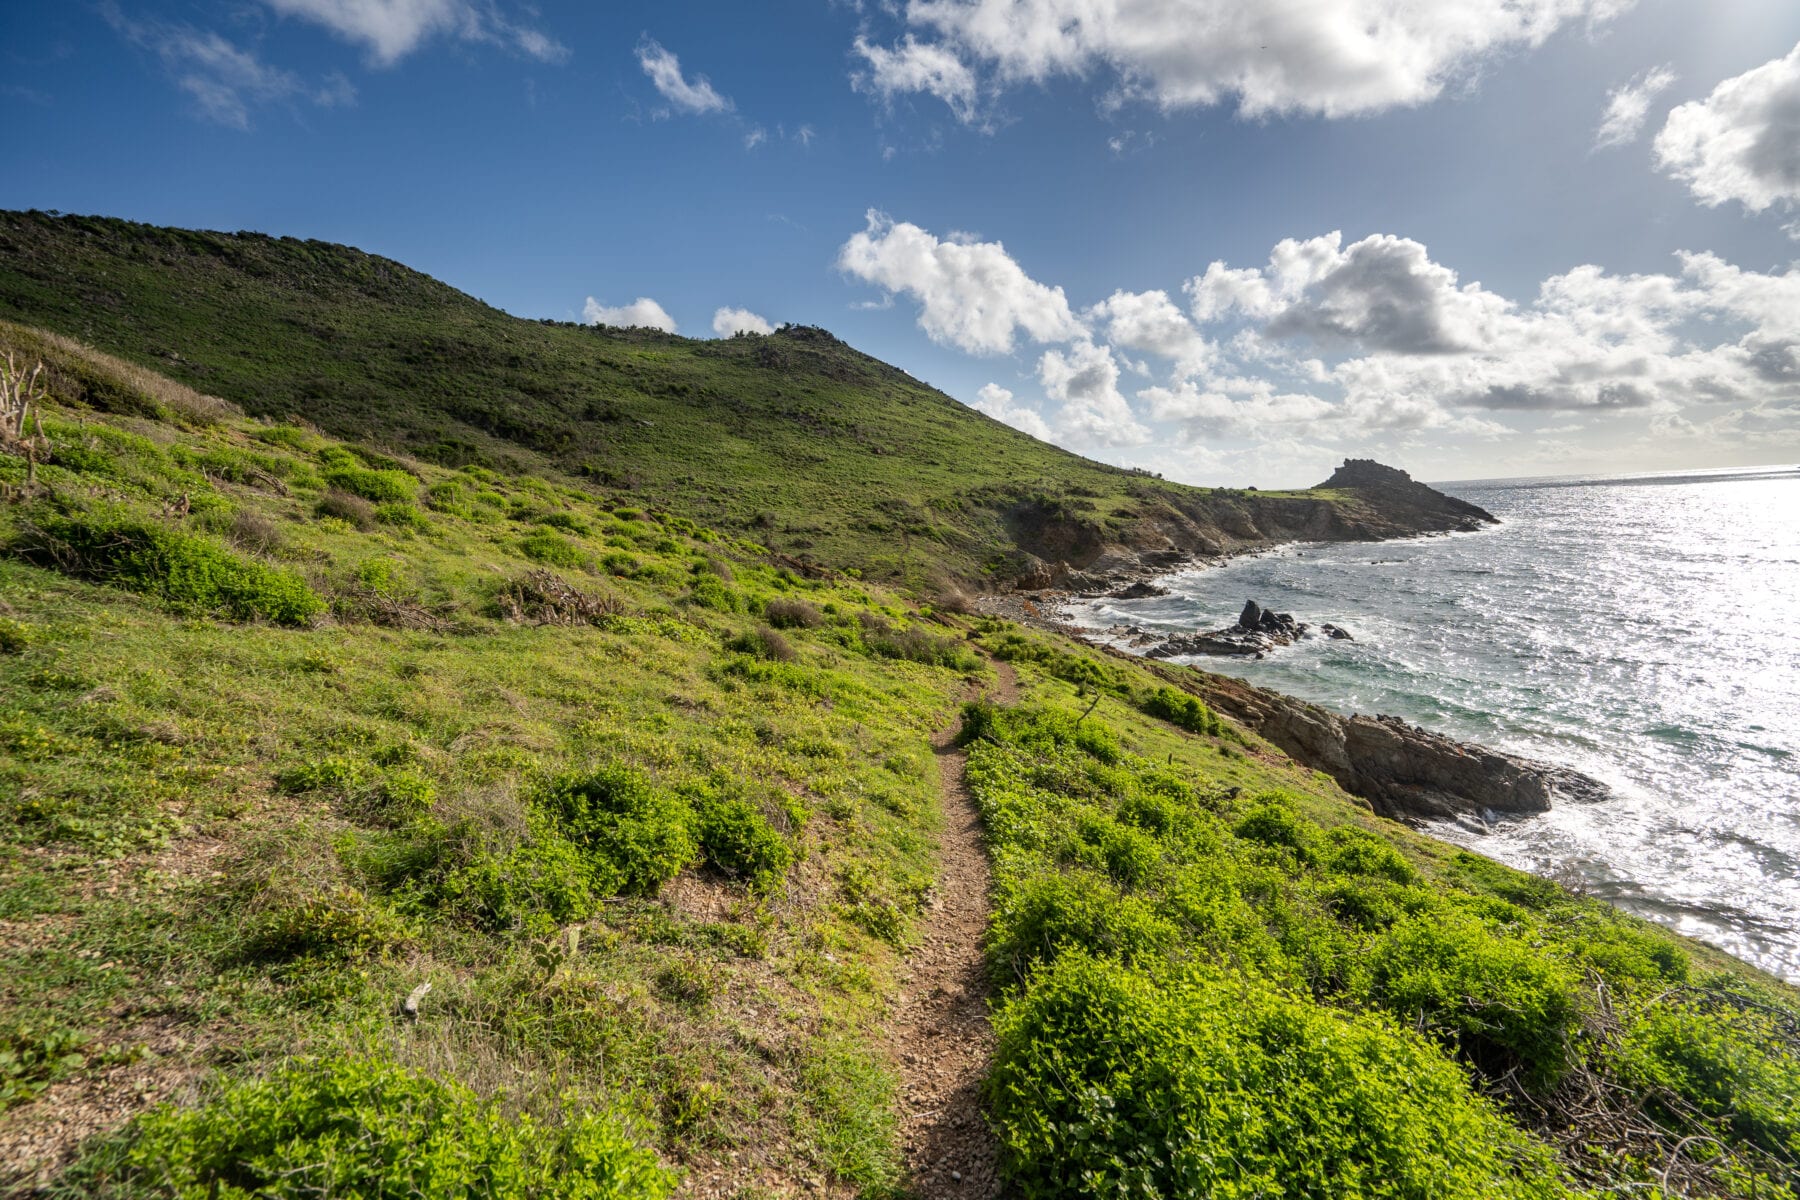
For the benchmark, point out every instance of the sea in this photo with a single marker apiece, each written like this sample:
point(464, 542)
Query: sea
point(1642, 629)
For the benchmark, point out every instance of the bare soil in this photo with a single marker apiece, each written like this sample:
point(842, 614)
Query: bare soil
point(940, 1037)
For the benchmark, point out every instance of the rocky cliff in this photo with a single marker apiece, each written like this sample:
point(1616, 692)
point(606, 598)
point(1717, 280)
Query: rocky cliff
point(1402, 770)
point(1065, 546)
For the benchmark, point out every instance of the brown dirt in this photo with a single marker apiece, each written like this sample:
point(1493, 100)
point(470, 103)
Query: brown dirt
point(940, 1036)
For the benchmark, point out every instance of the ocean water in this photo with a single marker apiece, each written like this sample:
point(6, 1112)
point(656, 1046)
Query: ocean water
point(1644, 630)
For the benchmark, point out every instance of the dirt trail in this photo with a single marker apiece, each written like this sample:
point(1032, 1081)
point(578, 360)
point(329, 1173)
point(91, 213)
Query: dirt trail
point(940, 1033)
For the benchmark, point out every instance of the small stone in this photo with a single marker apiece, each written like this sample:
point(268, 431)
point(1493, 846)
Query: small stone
point(956, 1175)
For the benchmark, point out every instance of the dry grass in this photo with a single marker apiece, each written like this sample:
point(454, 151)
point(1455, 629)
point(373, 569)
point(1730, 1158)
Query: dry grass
point(72, 369)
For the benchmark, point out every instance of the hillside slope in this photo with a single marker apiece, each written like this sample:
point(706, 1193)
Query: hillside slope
point(293, 729)
point(816, 450)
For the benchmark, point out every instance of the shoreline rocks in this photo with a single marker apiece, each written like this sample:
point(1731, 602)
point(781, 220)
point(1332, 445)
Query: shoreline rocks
point(1401, 769)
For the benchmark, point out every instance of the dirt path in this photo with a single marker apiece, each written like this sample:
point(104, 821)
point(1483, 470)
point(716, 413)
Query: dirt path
point(941, 1037)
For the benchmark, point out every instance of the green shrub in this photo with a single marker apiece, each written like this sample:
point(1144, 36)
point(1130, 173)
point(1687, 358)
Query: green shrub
point(1271, 824)
point(1358, 852)
point(1510, 1008)
point(1049, 915)
point(568, 521)
point(342, 923)
point(32, 1059)
point(363, 1128)
point(14, 636)
point(1182, 710)
point(403, 515)
point(1108, 1084)
point(1713, 1057)
point(710, 591)
point(184, 571)
point(336, 775)
point(538, 887)
point(545, 546)
point(737, 839)
point(378, 486)
point(638, 836)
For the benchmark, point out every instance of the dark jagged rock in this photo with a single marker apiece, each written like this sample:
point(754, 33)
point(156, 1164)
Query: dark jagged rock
point(1143, 589)
point(1402, 770)
point(1251, 616)
point(1399, 497)
point(1336, 633)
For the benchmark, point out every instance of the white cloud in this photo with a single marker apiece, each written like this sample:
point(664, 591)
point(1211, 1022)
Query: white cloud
point(997, 402)
point(1085, 381)
point(1262, 414)
point(971, 294)
point(225, 80)
point(756, 137)
point(727, 321)
point(1628, 105)
point(392, 29)
point(1330, 57)
point(664, 70)
point(1150, 321)
point(643, 312)
point(1742, 142)
point(914, 66)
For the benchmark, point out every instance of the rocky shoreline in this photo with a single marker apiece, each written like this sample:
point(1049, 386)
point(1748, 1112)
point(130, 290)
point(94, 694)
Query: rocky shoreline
point(1402, 770)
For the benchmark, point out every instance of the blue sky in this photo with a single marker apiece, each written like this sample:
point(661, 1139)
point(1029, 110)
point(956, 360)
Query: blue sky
point(1233, 241)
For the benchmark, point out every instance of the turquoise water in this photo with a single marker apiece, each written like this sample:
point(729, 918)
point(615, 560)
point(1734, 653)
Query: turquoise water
point(1644, 630)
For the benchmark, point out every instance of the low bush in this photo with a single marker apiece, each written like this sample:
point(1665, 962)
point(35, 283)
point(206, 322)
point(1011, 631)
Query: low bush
point(736, 838)
point(1107, 1083)
point(353, 510)
point(762, 643)
point(1182, 710)
point(182, 570)
point(785, 613)
point(546, 546)
point(636, 835)
point(709, 591)
point(378, 486)
point(364, 1128)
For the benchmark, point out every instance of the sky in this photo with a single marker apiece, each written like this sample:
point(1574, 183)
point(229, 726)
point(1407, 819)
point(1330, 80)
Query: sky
point(1229, 241)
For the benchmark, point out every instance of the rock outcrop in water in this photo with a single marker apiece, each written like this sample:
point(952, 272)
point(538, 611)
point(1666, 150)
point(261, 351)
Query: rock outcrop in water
point(1257, 631)
point(1402, 770)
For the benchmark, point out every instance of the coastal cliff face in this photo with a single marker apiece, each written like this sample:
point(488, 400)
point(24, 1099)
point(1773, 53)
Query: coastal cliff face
point(1402, 770)
point(1363, 500)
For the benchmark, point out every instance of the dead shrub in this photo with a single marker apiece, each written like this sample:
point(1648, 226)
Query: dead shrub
point(254, 532)
point(793, 614)
point(545, 598)
point(345, 507)
point(763, 643)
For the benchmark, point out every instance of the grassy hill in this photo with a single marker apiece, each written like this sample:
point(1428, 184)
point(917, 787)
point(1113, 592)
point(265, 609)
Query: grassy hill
point(293, 726)
point(795, 439)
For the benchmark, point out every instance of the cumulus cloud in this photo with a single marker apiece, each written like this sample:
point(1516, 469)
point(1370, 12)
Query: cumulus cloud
point(643, 312)
point(1151, 322)
point(1416, 350)
point(998, 403)
point(1334, 58)
point(1085, 381)
point(971, 294)
point(664, 70)
point(727, 321)
point(914, 66)
point(1628, 105)
point(1742, 142)
point(392, 29)
point(225, 80)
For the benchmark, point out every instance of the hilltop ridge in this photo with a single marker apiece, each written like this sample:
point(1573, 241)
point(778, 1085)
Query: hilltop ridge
point(812, 448)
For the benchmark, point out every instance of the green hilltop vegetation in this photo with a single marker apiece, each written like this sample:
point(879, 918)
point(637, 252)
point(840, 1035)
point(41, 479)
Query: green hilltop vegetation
point(296, 722)
point(794, 440)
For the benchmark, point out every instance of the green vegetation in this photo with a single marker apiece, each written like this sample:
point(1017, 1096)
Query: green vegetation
point(265, 769)
point(793, 439)
point(370, 1129)
point(1210, 990)
point(443, 669)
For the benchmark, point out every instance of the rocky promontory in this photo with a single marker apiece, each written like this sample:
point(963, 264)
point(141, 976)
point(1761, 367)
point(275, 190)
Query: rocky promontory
point(1063, 547)
point(1401, 769)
